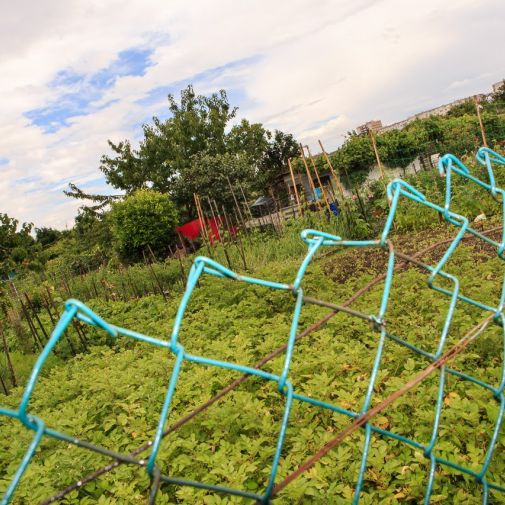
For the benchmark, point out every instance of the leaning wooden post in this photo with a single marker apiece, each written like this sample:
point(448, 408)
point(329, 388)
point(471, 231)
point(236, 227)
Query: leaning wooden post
point(218, 221)
point(51, 302)
point(153, 273)
point(214, 218)
point(318, 178)
point(377, 157)
point(182, 243)
point(8, 356)
point(33, 331)
point(203, 226)
point(238, 242)
point(35, 315)
point(4, 387)
point(294, 186)
point(332, 170)
point(356, 192)
point(311, 182)
point(237, 206)
point(229, 226)
point(245, 201)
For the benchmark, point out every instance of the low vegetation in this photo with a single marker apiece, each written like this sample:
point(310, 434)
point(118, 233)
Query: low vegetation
point(110, 391)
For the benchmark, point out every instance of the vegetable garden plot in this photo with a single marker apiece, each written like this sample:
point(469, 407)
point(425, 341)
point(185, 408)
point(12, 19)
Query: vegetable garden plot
point(435, 452)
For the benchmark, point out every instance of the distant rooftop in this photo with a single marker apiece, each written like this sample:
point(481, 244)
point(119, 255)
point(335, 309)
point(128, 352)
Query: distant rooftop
point(442, 110)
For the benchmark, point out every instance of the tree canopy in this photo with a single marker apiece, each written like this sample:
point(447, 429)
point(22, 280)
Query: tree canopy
point(193, 147)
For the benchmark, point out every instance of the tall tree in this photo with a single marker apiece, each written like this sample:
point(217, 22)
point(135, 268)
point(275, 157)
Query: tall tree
point(211, 176)
point(194, 149)
point(196, 124)
point(250, 139)
point(275, 162)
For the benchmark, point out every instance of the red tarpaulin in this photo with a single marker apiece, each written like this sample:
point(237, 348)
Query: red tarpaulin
point(193, 229)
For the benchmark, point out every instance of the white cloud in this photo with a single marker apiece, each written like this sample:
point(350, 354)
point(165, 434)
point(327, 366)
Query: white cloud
point(316, 69)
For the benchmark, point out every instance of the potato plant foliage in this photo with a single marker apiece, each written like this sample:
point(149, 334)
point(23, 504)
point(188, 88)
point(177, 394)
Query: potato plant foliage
point(112, 394)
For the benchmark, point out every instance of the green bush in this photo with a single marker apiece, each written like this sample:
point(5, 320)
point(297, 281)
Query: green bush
point(145, 218)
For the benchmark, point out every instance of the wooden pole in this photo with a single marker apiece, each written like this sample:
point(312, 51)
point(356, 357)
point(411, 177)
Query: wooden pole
point(318, 179)
point(294, 186)
point(311, 182)
point(35, 315)
point(4, 387)
point(377, 157)
point(214, 218)
point(355, 191)
point(333, 172)
point(239, 240)
point(77, 327)
point(181, 240)
point(482, 132)
point(8, 356)
point(229, 226)
point(33, 331)
point(236, 203)
point(153, 257)
point(277, 228)
point(155, 277)
point(50, 302)
point(245, 201)
point(203, 226)
point(219, 222)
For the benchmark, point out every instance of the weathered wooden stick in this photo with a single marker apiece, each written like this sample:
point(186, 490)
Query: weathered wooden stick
point(33, 331)
point(309, 176)
point(236, 204)
point(50, 302)
point(8, 357)
point(203, 224)
point(4, 387)
point(35, 315)
point(333, 171)
point(318, 178)
point(294, 187)
point(245, 201)
point(157, 281)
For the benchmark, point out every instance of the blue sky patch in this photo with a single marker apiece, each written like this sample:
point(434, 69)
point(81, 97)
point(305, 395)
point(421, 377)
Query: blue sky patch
point(321, 122)
point(211, 74)
point(76, 92)
point(4, 161)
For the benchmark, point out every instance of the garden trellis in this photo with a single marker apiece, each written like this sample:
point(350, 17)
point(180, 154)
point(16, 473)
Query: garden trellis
point(438, 280)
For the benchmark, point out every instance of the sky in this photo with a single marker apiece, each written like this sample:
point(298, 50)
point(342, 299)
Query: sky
point(74, 74)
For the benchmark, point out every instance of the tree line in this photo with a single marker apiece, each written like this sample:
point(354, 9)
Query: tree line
point(197, 149)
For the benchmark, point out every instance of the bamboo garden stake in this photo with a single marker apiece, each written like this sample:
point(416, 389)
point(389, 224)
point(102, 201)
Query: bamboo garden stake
point(309, 176)
point(318, 178)
point(294, 186)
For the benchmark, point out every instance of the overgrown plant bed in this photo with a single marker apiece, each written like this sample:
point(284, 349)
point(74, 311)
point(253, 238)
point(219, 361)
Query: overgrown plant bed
point(112, 394)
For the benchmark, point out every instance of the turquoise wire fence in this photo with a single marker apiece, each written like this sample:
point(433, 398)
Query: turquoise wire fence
point(438, 280)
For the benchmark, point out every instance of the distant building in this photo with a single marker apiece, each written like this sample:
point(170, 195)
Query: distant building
point(373, 125)
point(442, 110)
